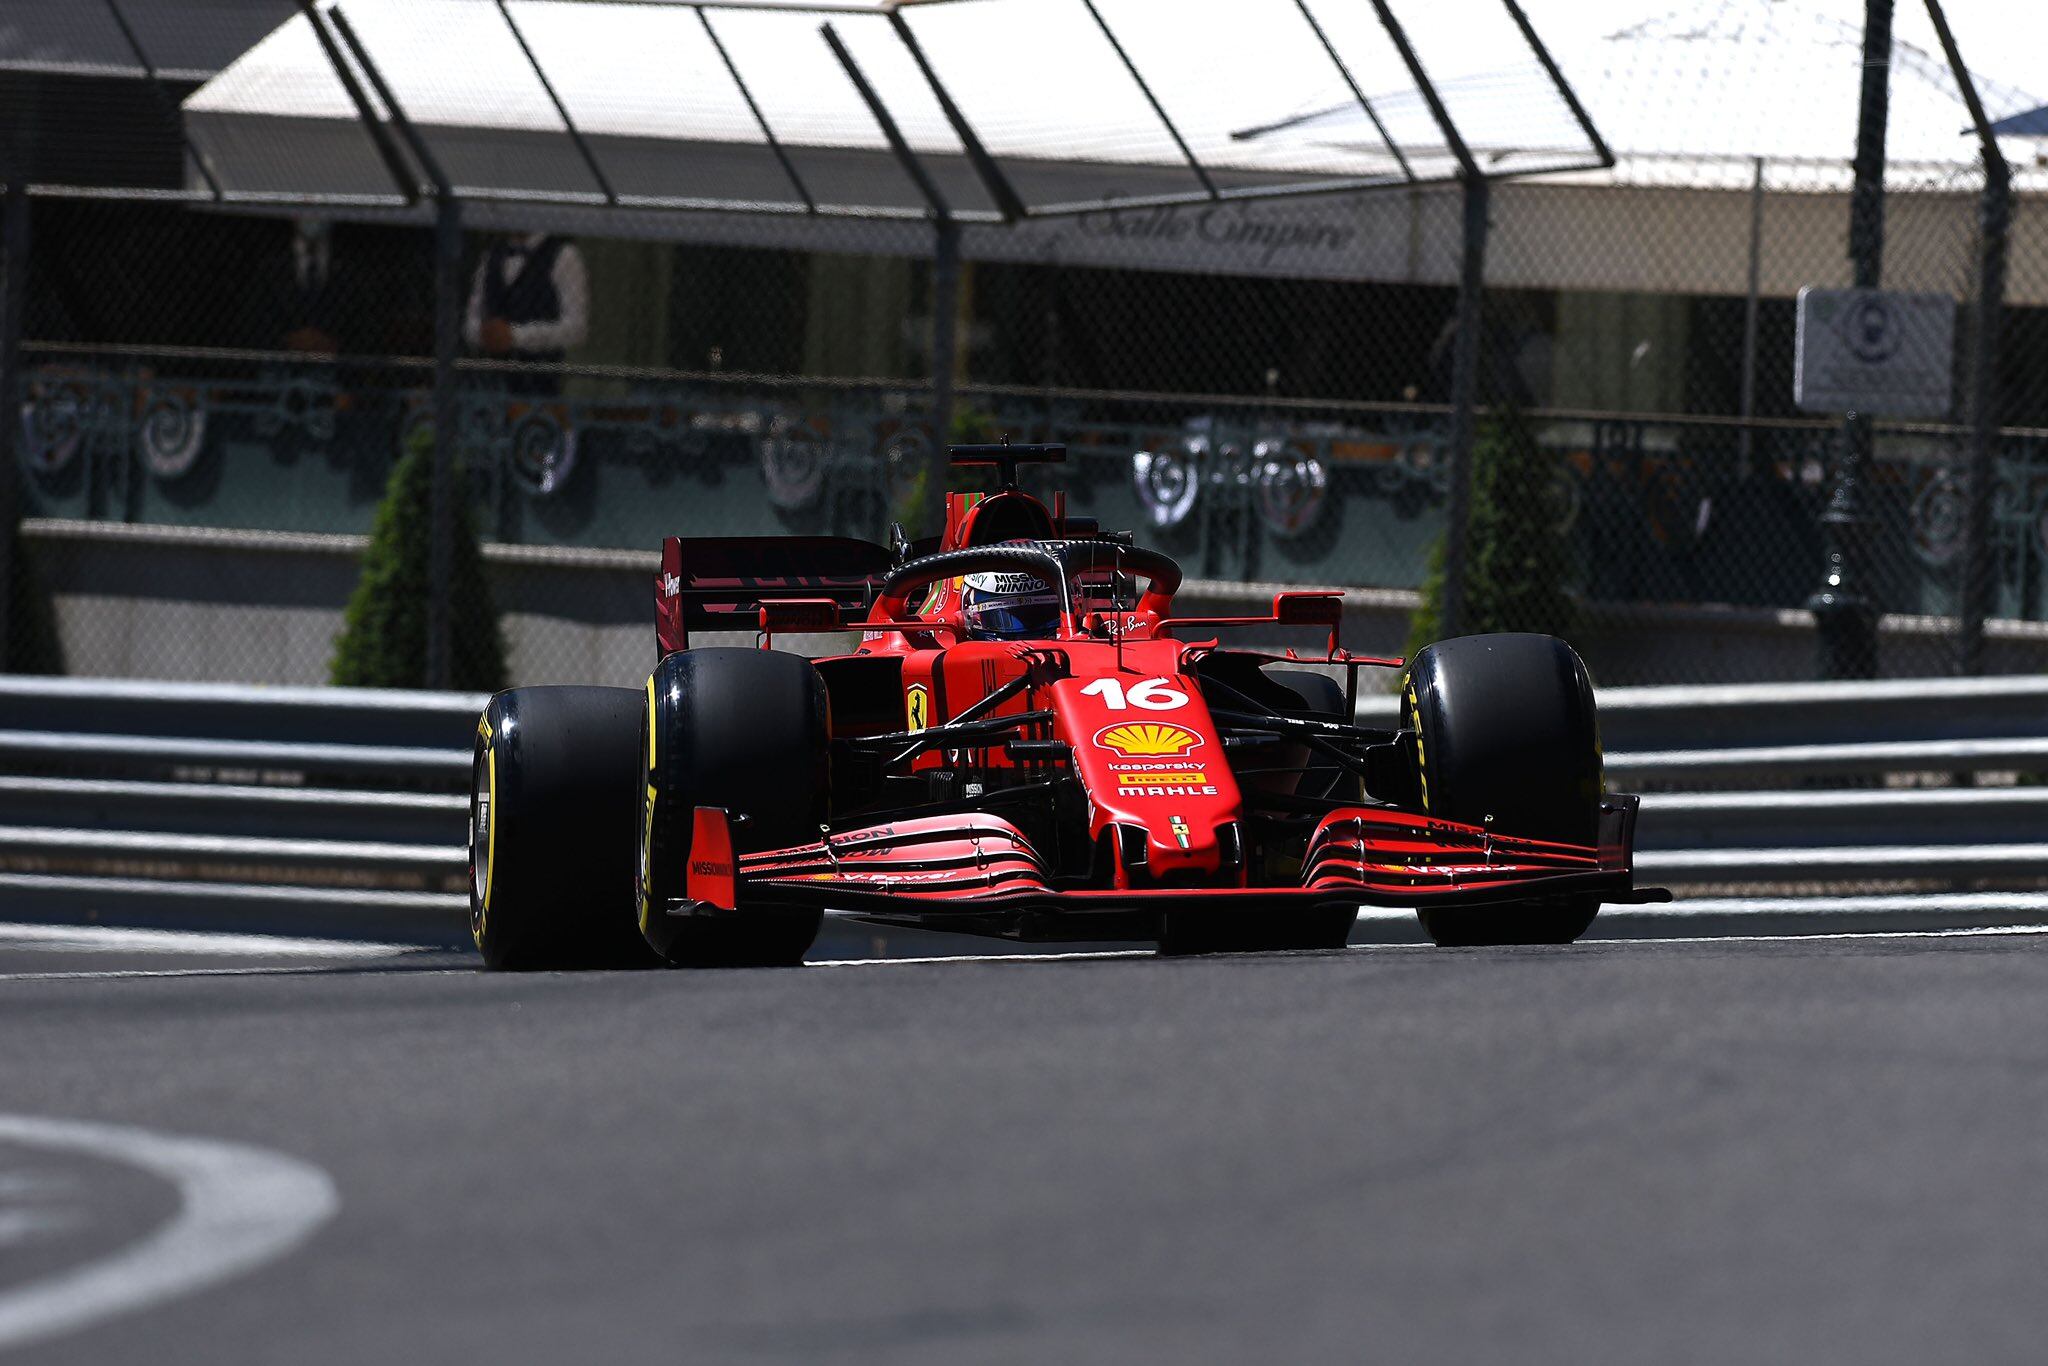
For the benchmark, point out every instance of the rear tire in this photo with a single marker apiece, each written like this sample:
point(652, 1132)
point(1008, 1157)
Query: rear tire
point(745, 730)
point(1506, 730)
point(551, 817)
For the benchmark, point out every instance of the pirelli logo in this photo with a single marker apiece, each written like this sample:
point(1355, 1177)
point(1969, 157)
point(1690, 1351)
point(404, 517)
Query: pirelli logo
point(1193, 777)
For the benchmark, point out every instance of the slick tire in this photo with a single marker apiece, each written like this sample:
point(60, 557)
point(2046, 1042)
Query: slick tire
point(1247, 930)
point(745, 730)
point(1505, 729)
point(551, 813)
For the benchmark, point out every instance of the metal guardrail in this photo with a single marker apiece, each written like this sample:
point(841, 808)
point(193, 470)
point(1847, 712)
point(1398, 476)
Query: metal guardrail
point(321, 799)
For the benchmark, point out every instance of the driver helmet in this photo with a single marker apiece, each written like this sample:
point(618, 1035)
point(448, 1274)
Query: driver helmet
point(1008, 605)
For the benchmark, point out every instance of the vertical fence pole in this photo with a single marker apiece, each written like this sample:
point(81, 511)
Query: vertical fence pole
point(13, 286)
point(1747, 441)
point(1994, 228)
point(1465, 346)
point(924, 515)
point(447, 340)
point(1845, 617)
point(1995, 219)
point(945, 358)
point(448, 303)
point(1464, 403)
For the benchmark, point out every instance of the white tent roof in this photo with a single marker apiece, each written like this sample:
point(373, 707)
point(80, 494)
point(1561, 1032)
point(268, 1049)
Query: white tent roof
point(1694, 96)
point(1039, 82)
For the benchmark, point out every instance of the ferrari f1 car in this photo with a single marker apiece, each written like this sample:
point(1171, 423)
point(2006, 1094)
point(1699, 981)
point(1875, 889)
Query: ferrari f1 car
point(1027, 743)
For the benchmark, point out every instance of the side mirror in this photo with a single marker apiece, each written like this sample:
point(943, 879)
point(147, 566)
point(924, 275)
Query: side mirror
point(1309, 609)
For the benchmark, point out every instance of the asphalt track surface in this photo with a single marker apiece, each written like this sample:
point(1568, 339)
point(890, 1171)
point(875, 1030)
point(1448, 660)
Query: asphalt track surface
point(1818, 1150)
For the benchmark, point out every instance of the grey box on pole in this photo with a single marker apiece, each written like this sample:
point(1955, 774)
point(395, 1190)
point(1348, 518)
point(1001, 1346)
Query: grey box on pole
point(1879, 352)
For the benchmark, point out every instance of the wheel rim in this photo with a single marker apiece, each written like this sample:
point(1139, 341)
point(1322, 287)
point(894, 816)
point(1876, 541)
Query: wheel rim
point(480, 816)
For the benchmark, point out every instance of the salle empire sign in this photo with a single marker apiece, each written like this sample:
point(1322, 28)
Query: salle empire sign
point(1217, 225)
point(1293, 241)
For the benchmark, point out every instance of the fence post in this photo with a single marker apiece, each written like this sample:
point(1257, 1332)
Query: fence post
point(1471, 283)
point(1994, 220)
point(1751, 303)
point(1464, 403)
point(945, 348)
point(1995, 217)
point(448, 310)
point(923, 516)
point(13, 288)
point(1846, 619)
point(447, 342)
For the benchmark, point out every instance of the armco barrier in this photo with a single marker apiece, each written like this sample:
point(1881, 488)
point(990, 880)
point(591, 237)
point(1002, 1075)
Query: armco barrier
point(342, 802)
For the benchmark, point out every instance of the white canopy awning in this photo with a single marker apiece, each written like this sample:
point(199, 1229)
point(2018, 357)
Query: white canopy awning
point(1694, 98)
point(747, 106)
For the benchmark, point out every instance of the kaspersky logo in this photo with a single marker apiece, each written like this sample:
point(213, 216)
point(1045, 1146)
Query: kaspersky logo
point(1147, 740)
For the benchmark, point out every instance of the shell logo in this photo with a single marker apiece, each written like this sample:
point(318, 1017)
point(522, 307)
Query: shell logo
point(1148, 740)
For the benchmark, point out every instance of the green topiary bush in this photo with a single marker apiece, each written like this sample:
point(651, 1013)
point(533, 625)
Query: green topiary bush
point(1520, 570)
point(383, 642)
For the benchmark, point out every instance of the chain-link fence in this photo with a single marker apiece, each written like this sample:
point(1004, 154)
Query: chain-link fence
point(662, 330)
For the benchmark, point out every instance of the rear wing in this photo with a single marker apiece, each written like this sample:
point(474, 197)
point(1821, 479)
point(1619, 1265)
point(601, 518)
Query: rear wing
point(719, 583)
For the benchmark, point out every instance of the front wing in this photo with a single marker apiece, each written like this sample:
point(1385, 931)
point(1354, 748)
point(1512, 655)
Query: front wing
point(979, 872)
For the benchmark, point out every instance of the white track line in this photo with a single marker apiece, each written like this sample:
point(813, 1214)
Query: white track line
point(274, 970)
point(978, 958)
point(1658, 941)
point(118, 939)
point(239, 1207)
point(1959, 932)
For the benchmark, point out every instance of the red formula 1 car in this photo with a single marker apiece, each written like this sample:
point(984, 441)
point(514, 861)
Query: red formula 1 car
point(1027, 743)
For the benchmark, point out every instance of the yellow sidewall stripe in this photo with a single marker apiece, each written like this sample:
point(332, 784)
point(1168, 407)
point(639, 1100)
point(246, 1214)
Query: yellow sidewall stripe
point(647, 814)
point(1421, 757)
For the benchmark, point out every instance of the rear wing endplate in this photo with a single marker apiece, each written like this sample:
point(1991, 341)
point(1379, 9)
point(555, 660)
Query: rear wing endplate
point(720, 582)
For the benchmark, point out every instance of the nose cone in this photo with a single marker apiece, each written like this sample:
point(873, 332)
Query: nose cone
point(1184, 851)
point(1181, 844)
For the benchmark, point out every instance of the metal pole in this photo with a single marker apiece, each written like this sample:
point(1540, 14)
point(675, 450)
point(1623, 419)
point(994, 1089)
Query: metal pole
point(1994, 227)
point(1000, 192)
point(447, 345)
point(1559, 83)
point(1995, 218)
point(597, 174)
point(945, 357)
point(945, 283)
point(760, 119)
point(886, 121)
point(1356, 93)
point(163, 98)
point(1847, 620)
point(401, 174)
point(1464, 404)
point(1747, 440)
point(13, 286)
point(1145, 89)
point(1465, 345)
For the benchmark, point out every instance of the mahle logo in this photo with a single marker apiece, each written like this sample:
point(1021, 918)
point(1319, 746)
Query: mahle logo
point(1147, 739)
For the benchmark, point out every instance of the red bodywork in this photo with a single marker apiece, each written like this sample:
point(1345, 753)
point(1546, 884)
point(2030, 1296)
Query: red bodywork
point(1108, 789)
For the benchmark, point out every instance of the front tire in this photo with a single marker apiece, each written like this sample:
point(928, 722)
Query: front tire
point(551, 816)
point(745, 730)
point(1505, 731)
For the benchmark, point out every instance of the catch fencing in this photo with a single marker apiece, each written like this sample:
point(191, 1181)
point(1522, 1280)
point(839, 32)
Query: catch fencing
point(1280, 391)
